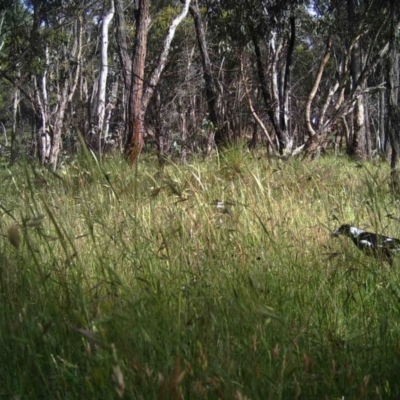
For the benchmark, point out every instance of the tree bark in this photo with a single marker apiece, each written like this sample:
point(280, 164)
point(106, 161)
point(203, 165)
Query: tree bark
point(122, 43)
point(58, 126)
point(257, 119)
point(392, 88)
point(382, 137)
point(101, 100)
point(274, 102)
point(139, 99)
point(14, 128)
point(162, 61)
point(135, 117)
point(214, 115)
point(358, 145)
point(67, 86)
point(317, 81)
point(183, 120)
point(284, 109)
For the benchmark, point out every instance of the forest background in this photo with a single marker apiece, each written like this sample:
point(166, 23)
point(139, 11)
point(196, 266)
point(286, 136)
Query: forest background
point(208, 270)
point(290, 76)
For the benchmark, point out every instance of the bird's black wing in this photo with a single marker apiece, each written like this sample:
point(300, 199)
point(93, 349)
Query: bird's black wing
point(373, 241)
point(366, 241)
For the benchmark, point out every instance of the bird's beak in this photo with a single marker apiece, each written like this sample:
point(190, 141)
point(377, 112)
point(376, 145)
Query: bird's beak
point(336, 234)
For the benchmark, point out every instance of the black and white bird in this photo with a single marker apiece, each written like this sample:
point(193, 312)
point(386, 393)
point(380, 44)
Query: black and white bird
point(372, 244)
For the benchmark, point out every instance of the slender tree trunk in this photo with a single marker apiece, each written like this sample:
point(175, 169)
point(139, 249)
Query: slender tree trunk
point(2, 39)
point(313, 92)
point(14, 127)
point(42, 106)
point(122, 43)
point(67, 87)
point(284, 109)
point(162, 61)
point(257, 119)
point(136, 113)
point(182, 116)
point(110, 107)
point(274, 50)
point(220, 136)
point(392, 86)
point(125, 60)
point(264, 89)
point(368, 145)
point(359, 142)
point(139, 99)
point(382, 136)
point(214, 116)
point(358, 145)
point(272, 103)
point(58, 126)
point(101, 101)
point(159, 128)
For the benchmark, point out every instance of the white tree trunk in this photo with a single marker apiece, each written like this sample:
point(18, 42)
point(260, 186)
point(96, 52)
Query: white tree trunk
point(275, 50)
point(65, 92)
point(101, 100)
point(45, 140)
point(155, 77)
point(2, 40)
point(14, 127)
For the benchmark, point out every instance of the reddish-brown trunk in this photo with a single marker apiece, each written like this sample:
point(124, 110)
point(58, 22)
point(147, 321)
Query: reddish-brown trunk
point(135, 123)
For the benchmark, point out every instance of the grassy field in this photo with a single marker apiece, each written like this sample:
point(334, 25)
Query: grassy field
point(118, 283)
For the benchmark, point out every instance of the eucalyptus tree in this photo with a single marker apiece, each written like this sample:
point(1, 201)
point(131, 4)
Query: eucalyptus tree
point(50, 39)
point(269, 29)
point(101, 124)
point(139, 93)
point(57, 34)
point(355, 33)
point(172, 118)
point(219, 132)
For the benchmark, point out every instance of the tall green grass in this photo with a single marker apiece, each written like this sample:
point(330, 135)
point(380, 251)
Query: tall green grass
point(216, 280)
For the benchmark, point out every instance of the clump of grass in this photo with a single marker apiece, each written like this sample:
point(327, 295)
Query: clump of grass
point(218, 279)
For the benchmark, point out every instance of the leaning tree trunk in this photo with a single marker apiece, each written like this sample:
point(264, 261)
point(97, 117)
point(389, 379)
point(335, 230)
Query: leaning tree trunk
point(254, 114)
point(220, 127)
point(314, 89)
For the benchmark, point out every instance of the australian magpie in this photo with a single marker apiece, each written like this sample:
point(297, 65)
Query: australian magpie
point(371, 243)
